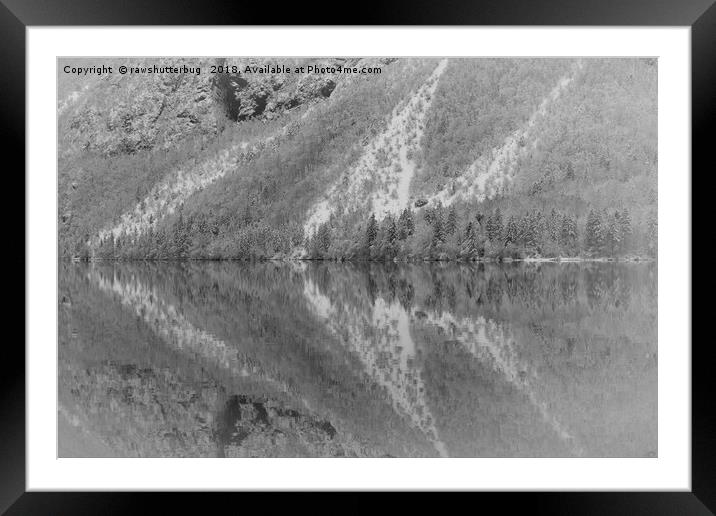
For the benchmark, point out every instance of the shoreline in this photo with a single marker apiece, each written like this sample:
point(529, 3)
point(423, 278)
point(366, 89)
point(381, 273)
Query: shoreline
point(559, 259)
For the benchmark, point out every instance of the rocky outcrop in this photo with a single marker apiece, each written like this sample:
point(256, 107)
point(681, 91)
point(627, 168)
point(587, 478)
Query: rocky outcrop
point(253, 94)
point(124, 114)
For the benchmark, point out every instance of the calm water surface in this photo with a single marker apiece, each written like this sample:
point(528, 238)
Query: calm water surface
point(283, 360)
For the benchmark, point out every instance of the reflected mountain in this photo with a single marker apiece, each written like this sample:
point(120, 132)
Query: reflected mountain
point(207, 359)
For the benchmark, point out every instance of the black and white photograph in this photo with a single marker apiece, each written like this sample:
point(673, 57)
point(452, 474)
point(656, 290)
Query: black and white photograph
point(357, 257)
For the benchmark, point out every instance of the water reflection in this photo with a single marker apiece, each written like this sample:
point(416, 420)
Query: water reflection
point(273, 359)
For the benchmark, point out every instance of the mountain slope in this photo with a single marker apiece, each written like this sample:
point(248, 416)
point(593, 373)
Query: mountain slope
point(380, 180)
point(259, 165)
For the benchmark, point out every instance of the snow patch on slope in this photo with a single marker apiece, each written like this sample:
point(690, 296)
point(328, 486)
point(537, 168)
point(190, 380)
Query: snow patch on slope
point(491, 172)
point(71, 99)
point(380, 180)
point(167, 196)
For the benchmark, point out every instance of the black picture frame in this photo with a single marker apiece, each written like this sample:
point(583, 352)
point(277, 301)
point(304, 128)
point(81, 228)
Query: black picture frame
point(17, 15)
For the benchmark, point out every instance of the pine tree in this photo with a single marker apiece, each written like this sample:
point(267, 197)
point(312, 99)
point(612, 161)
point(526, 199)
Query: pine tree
point(605, 238)
point(652, 235)
point(371, 230)
point(612, 232)
point(392, 231)
point(469, 231)
point(438, 229)
point(160, 246)
point(149, 246)
point(523, 230)
point(409, 221)
point(203, 226)
point(466, 240)
point(406, 226)
point(498, 223)
point(321, 240)
point(540, 232)
point(213, 224)
point(626, 231)
point(568, 234)
point(389, 237)
point(489, 227)
point(451, 223)
point(511, 231)
point(593, 233)
point(494, 226)
point(553, 226)
point(428, 214)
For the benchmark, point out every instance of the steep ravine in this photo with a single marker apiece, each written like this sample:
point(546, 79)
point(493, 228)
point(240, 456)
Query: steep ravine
point(490, 173)
point(380, 180)
point(170, 194)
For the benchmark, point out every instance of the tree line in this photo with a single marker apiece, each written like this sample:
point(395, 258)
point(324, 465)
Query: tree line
point(437, 232)
point(449, 233)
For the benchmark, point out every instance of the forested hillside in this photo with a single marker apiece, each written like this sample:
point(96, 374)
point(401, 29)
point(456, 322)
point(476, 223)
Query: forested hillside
point(430, 158)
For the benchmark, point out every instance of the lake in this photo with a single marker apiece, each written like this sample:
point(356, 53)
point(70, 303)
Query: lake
point(304, 359)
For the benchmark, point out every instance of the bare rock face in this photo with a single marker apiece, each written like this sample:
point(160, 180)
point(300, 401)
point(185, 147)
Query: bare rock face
point(125, 114)
point(247, 95)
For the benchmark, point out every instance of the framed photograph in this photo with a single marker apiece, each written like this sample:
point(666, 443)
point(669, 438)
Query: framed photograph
point(439, 250)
